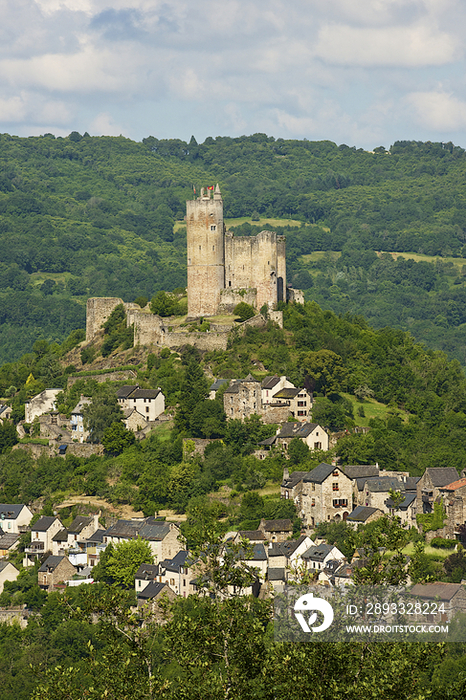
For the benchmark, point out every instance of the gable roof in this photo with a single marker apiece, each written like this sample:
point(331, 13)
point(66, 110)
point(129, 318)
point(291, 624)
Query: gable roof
point(361, 513)
point(79, 523)
point(124, 528)
point(43, 524)
point(217, 384)
point(318, 552)
point(300, 430)
point(178, 561)
point(440, 476)
point(443, 591)
point(144, 394)
point(152, 590)
point(251, 534)
point(321, 472)
point(7, 540)
point(51, 563)
point(276, 574)
point(60, 536)
point(293, 479)
point(270, 382)
point(356, 471)
point(287, 393)
point(10, 511)
point(156, 531)
point(378, 484)
point(455, 485)
point(146, 572)
point(404, 505)
point(280, 525)
point(124, 391)
point(83, 401)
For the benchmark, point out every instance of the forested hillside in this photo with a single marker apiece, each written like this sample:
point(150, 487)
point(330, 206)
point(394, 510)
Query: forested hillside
point(84, 216)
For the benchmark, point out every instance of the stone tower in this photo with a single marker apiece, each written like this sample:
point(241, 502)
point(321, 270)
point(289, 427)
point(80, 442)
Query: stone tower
point(206, 255)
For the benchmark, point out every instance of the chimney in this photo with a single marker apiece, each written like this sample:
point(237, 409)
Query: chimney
point(286, 474)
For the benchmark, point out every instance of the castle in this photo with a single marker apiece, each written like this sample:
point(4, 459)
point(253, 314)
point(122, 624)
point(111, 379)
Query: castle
point(223, 270)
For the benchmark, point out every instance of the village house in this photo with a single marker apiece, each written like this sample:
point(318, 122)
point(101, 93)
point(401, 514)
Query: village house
point(77, 427)
point(276, 530)
point(151, 596)
point(451, 595)
point(161, 535)
point(42, 533)
point(147, 573)
point(275, 400)
point(323, 494)
point(80, 529)
point(41, 403)
point(362, 515)
point(8, 543)
point(216, 386)
point(376, 491)
point(177, 573)
point(271, 385)
point(8, 572)
point(5, 413)
point(312, 434)
point(148, 403)
point(454, 501)
point(298, 401)
point(14, 518)
point(429, 485)
point(55, 570)
point(316, 558)
point(60, 543)
point(406, 510)
point(242, 398)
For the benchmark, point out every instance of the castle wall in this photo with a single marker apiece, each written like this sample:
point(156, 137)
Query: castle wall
point(97, 312)
point(229, 298)
point(206, 257)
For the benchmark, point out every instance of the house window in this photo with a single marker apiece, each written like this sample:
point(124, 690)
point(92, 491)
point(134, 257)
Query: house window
point(301, 403)
point(302, 413)
point(335, 486)
point(172, 582)
point(147, 409)
point(336, 473)
point(313, 502)
point(317, 445)
point(213, 248)
point(229, 283)
point(212, 228)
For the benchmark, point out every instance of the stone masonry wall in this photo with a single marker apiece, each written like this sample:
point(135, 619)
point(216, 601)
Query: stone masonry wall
point(97, 312)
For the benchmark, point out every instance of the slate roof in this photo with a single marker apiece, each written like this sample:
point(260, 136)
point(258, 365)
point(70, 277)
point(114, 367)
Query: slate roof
point(152, 590)
point(440, 476)
point(287, 393)
point(290, 546)
point(356, 471)
point(361, 513)
point(8, 540)
point(294, 479)
point(156, 531)
point(79, 523)
point(178, 561)
point(233, 388)
point(269, 441)
point(270, 382)
point(318, 552)
point(84, 401)
point(258, 553)
point(98, 536)
point(251, 534)
point(124, 528)
point(276, 574)
point(124, 391)
point(379, 484)
point(442, 591)
point(301, 430)
point(217, 384)
point(61, 536)
point(455, 485)
point(283, 525)
point(144, 394)
point(411, 483)
point(43, 524)
point(11, 510)
point(147, 572)
point(250, 378)
point(148, 529)
point(321, 472)
point(51, 563)
point(404, 505)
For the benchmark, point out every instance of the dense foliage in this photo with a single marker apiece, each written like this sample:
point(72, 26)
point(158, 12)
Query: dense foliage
point(88, 216)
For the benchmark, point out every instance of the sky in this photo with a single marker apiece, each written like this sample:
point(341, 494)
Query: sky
point(361, 72)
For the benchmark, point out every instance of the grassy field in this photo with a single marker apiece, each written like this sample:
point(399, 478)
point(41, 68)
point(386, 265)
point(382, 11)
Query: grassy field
point(433, 552)
point(417, 257)
point(372, 409)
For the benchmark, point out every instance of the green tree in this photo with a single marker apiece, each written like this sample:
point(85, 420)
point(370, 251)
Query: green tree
point(123, 560)
point(116, 438)
point(101, 412)
point(244, 311)
point(325, 368)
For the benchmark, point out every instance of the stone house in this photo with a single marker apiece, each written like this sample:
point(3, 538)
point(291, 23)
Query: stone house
point(316, 558)
point(216, 386)
point(42, 533)
point(5, 413)
point(271, 385)
point(41, 403)
point(454, 501)
point(8, 572)
point(149, 403)
point(80, 529)
point(242, 398)
point(150, 597)
point(55, 570)
point(161, 535)
point(276, 530)
point(177, 573)
point(429, 485)
point(362, 515)
point(133, 420)
point(14, 518)
point(376, 491)
point(451, 595)
point(147, 573)
point(312, 434)
point(78, 430)
point(406, 510)
point(298, 402)
point(323, 494)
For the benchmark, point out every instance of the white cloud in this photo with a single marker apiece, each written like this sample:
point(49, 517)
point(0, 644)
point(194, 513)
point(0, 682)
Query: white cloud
point(104, 125)
point(391, 46)
point(439, 111)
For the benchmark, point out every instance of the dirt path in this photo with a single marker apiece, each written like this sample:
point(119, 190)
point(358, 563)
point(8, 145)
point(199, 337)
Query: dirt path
point(125, 512)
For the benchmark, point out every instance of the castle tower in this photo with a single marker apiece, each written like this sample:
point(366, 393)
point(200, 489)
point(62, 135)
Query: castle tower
point(206, 255)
